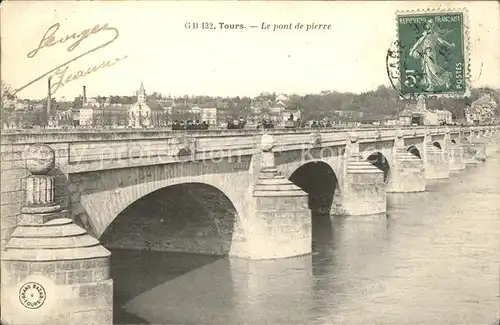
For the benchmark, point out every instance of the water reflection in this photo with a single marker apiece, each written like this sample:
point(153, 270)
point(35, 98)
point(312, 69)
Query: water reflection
point(432, 259)
point(263, 288)
point(156, 287)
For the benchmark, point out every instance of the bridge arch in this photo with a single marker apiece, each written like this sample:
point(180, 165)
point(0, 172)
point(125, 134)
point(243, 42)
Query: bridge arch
point(437, 145)
point(379, 160)
point(318, 179)
point(414, 151)
point(153, 240)
point(98, 209)
point(187, 217)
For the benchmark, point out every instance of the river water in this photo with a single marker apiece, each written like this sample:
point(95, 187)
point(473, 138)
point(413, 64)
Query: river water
point(433, 259)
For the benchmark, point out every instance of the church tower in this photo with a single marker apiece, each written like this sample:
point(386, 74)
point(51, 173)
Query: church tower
point(141, 94)
point(421, 103)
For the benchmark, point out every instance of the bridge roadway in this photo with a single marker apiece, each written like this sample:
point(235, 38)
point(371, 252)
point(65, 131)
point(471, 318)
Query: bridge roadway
point(62, 190)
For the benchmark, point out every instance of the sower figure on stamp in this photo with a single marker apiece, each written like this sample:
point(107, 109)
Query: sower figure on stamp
point(426, 49)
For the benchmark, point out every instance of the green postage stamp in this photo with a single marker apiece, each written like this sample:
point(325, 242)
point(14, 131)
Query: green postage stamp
point(433, 57)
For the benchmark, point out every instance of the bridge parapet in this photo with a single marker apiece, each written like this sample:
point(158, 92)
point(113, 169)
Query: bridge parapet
point(91, 150)
point(12, 137)
point(87, 151)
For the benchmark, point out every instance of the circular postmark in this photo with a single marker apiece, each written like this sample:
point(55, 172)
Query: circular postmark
point(392, 66)
point(32, 295)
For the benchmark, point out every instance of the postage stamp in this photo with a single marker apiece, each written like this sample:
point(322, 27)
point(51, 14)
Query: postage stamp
point(433, 53)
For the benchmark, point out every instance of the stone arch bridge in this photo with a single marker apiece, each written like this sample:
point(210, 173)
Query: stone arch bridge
point(272, 182)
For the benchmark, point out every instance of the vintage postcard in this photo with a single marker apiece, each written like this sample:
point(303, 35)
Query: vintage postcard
point(250, 162)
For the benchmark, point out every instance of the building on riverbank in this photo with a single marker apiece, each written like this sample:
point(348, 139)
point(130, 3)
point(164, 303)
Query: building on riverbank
point(481, 111)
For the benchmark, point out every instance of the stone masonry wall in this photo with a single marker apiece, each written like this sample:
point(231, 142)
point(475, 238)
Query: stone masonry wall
point(408, 174)
point(436, 163)
point(281, 225)
point(83, 287)
point(364, 193)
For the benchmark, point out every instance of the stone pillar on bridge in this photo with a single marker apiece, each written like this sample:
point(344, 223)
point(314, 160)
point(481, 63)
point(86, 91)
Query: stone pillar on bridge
point(455, 152)
point(436, 160)
point(480, 144)
point(53, 272)
point(364, 185)
point(474, 149)
point(496, 139)
point(490, 141)
point(469, 150)
point(481, 151)
point(281, 224)
point(408, 172)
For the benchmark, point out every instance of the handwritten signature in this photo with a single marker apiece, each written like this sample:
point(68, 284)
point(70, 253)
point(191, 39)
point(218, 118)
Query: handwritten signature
point(49, 39)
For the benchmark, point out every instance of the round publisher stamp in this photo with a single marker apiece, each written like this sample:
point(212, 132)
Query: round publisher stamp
point(32, 295)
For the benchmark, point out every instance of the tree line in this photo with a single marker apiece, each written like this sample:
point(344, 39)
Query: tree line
point(381, 103)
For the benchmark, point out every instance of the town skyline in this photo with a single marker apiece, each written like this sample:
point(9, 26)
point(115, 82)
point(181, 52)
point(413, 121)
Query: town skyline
point(223, 63)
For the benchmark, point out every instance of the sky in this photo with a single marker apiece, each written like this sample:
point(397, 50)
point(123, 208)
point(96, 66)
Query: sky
point(155, 47)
